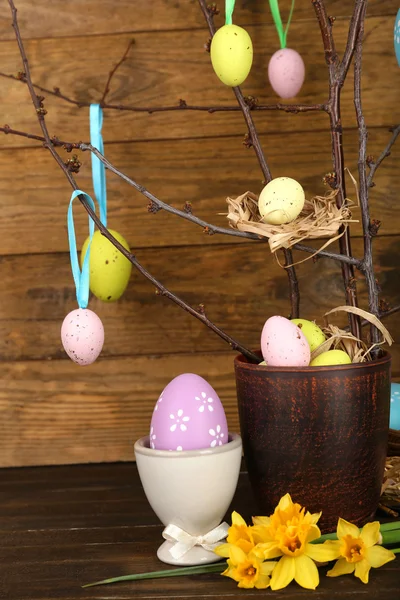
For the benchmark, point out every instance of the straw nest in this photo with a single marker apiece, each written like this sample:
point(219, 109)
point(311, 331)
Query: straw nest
point(320, 218)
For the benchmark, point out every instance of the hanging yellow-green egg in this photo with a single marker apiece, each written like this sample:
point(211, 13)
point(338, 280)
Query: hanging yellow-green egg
point(109, 269)
point(231, 54)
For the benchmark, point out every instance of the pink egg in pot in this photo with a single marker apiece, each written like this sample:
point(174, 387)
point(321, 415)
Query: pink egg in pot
point(286, 72)
point(82, 335)
point(188, 416)
point(283, 344)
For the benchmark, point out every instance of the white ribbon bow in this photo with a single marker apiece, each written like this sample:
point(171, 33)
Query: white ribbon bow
point(184, 541)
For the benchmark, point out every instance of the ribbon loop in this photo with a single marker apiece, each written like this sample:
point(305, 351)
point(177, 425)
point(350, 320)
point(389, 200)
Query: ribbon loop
point(229, 8)
point(276, 15)
point(81, 279)
point(184, 541)
point(98, 168)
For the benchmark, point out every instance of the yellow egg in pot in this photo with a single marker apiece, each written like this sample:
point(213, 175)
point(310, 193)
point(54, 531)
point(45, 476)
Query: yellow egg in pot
point(109, 269)
point(231, 54)
point(313, 334)
point(331, 357)
point(281, 201)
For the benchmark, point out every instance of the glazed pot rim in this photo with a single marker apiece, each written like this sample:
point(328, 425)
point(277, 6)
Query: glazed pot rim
point(142, 447)
point(241, 362)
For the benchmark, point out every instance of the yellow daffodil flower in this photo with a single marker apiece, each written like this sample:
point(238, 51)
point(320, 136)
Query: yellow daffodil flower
point(288, 534)
point(358, 550)
point(240, 534)
point(248, 570)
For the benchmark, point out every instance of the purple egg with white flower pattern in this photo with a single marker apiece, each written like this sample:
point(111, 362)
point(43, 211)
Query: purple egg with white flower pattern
point(188, 416)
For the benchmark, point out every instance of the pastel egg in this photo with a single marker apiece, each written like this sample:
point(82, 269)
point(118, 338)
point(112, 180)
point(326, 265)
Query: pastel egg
point(286, 72)
point(395, 406)
point(82, 335)
point(188, 416)
point(397, 37)
point(231, 54)
point(314, 335)
point(109, 269)
point(283, 344)
point(331, 357)
point(281, 201)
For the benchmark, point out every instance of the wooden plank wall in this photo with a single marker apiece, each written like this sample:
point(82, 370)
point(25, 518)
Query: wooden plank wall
point(53, 411)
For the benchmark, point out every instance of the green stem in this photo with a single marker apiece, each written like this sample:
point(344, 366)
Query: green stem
point(288, 22)
point(396, 551)
point(213, 568)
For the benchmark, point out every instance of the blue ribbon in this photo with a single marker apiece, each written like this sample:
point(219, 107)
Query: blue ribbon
point(98, 169)
point(81, 279)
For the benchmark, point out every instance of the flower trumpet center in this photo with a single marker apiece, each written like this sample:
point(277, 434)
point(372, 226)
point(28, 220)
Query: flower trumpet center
point(251, 571)
point(352, 549)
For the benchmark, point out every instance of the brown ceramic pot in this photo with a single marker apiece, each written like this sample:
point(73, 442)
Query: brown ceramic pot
point(319, 433)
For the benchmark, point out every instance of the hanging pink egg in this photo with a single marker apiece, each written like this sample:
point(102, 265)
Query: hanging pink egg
point(286, 72)
point(82, 335)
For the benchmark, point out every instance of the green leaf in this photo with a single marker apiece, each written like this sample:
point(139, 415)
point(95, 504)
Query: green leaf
point(213, 568)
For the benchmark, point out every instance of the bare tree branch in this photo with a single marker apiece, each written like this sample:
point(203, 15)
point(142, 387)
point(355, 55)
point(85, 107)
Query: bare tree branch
point(385, 153)
point(40, 112)
point(181, 106)
point(255, 141)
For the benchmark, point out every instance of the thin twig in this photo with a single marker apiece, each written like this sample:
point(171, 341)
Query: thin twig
point(40, 112)
point(208, 227)
point(386, 152)
point(181, 106)
point(31, 136)
point(368, 267)
point(114, 70)
point(357, 19)
point(335, 85)
point(255, 141)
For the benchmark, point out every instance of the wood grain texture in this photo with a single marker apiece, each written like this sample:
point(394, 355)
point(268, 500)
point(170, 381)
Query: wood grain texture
point(240, 288)
point(60, 19)
point(53, 412)
point(164, 67)
point(34, 193)
point(66, 526)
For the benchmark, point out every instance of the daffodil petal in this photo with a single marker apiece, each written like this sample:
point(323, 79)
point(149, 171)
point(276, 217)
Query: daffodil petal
point(284, 502)
point(237, 519)
point(283, 573)
point(378, 556)
point(314, 517)
point(313, 533)
point(346, 528)
point(323, 552)
point(264, 521)
point(306, 572)
point(341, 567)
point(236, 554)
point(362, 570)
point(246, 583)
point(370, 534)
point(223, 550)
point(267, 551)
point(262, 582)
point(260, 533)
point(267, 567)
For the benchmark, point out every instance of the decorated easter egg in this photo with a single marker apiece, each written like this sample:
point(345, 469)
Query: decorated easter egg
point(188, 416)
point(331, 357)
point(283, 344)
point(231, 54)
point(397, 37)
point(82, 335)
point(109, 269)
point(395, 406)
point(281, 201)
point(314, 335)
point(286, 72)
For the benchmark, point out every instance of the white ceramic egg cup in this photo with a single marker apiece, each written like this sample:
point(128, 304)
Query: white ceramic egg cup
point(190, 492)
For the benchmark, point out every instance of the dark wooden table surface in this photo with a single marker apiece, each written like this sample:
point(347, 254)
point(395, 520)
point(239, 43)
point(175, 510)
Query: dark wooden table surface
point(61, 527)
